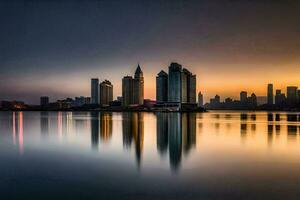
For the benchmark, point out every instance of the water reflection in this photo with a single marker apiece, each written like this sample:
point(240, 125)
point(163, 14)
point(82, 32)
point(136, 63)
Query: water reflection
point(133, 131)
point(17, 130)
point(94, 129)
point(178, 131)
point(105, 126)
point(44, 119)
point(178, 150)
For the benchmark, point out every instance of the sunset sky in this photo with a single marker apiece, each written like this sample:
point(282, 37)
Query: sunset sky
point(54, 47)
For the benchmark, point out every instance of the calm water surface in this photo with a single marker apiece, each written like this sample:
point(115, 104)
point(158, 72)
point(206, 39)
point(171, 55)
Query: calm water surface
point(86, 155)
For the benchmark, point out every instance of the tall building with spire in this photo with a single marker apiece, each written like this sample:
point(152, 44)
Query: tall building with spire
point(138, 86)
point(133, 88)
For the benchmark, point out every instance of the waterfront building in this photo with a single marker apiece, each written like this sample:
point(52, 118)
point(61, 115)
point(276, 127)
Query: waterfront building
point(133, 89)
point(181, 85)
point(200, 99)
point(138, 86)
point(243, 97)
point(95, 91)
point(106, 93)
point(291, 95)
point(162, 87)
point(279, 98)
point(174, 83)
point(127, 90)
point(44, 100)
point(270, 94)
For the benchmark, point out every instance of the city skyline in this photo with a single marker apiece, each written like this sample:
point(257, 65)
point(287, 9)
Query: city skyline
point(47, 45)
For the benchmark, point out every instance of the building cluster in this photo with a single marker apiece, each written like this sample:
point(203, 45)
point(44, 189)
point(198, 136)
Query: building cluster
point(177, 88)
point(245, 102)
point(277, 101)
point(281, 100)
point(101, 94)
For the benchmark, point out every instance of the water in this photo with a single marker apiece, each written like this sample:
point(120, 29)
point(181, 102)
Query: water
point(214, 155)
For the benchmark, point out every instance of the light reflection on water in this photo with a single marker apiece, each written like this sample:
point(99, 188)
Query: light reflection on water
point(210, 155)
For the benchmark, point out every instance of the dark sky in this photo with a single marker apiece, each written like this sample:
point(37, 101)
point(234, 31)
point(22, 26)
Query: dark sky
point(54, 47)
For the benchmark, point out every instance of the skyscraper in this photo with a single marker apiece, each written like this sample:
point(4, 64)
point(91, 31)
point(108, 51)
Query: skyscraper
point(106, 93)
point(279, 98)
point(243, 97)
point(291, 95)
point(138, 86)
point(162, 86)
point(270, 94)
point(200, 99)
point(181, 85)
point(133, 88)
point(174, 83)
point(95, 90)
point(192, 88)
point(127, 90)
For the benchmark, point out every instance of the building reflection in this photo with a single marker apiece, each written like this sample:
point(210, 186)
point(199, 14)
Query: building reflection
point(133, 131)
point(95, 129)
point(162, 132)
point(44, 117)
point(17, 130)
point(270, 117)
point(105, 126)
point(291, 117)
point(178, 132)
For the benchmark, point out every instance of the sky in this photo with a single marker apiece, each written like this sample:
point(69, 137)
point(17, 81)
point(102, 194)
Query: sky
point(54, 47)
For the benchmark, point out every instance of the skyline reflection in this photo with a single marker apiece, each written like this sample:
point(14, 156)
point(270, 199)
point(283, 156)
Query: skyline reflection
point(175, 134)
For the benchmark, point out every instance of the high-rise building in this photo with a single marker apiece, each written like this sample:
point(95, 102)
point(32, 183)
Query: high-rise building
point(200, 99)
point(44, 100)
point(127, 90)
point(192, 88)
point(279, 98)
point(106, 93)
point(270, 94)
point(133, 88)
point(291, 95)
point(181, 85)
point(174, 83)
point(162, 86)
point(243, 97)
point(95, 91)
point(138, 86)
point(252, 100)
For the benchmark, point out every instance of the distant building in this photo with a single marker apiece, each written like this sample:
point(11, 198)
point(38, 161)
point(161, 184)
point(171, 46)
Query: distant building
point(291, 95)
point(252, 100)
point(162, 87)
point(279, 98)
point(106, 93)
point(200, 99)
point(270, 94)
point(133, 89)
point(243, 97)
point(261, 100)
point(44, 100)
point(95, 91)
point(80, 101)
